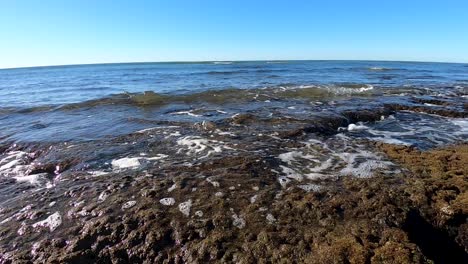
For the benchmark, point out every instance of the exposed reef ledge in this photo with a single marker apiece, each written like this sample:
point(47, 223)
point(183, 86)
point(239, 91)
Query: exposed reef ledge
point(418, 216)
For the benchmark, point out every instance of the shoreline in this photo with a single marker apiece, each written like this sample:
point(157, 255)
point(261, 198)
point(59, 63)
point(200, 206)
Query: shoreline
point(238, 212)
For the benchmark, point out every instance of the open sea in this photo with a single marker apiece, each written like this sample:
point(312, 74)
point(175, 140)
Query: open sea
point(76, 141)
point(86, 102)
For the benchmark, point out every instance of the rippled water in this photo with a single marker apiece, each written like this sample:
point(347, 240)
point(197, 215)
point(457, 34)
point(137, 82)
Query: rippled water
point(91, 101)
point(71, 84)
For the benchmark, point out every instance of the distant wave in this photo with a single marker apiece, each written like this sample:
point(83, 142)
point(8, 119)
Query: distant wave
point(222, 62)
point(224, 72)
point(240, 72)
point(380, 69)
point(335, 89)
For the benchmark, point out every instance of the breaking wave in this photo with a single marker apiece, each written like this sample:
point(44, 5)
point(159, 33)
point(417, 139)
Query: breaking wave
point(231, 95)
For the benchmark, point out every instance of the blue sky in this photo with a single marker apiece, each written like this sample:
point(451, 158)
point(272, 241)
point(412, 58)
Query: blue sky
point(56, 32)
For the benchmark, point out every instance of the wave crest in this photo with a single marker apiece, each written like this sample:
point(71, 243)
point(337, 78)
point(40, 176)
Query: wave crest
point(231, 95)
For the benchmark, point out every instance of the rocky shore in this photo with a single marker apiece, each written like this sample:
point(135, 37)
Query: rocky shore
point(236, 211)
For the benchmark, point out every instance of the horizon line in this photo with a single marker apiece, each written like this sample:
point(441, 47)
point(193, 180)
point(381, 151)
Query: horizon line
point(211, 61)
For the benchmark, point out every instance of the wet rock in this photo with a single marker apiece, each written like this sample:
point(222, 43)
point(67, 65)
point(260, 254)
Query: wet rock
point(366, 115)
point(206, 126)
point(447, 112)
point(263, 216)
point(242, 119)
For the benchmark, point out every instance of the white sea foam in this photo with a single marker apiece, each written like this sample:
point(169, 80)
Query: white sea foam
point(414, 128)
point(270, 218)
point(212, 181)
point(334, 157)
point(222, 133)
point(362, 164)
point(358, 127)
point(173, 187)
point(134, 162)
point(167, 201)
point(379, 69)
point(125, 163)
point(283, 181)
point(103, 196)
point(173, 134)
point(197, 145)
point(157, 157)
point(98, 173)
point(462, 123)
point(190, 113)
point(334, 89)
point(289, 157)
point(185, 207)
point(146, 130)
point(16, 163)
point(292, 174)
point(310, 187)
point(128, 204)
point(297, 159)
point(392, 137)
point(253, 199)
point(52, 222)
point(238, 221)
point(33, 179)
point(222, 62)
point(155, 128)
point(348, 90)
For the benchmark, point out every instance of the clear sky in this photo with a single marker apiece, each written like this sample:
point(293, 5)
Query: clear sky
point(56, 32)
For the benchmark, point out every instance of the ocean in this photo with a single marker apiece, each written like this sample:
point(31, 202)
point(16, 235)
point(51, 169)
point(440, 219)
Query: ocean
point(87, 102)
point(83, 142)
